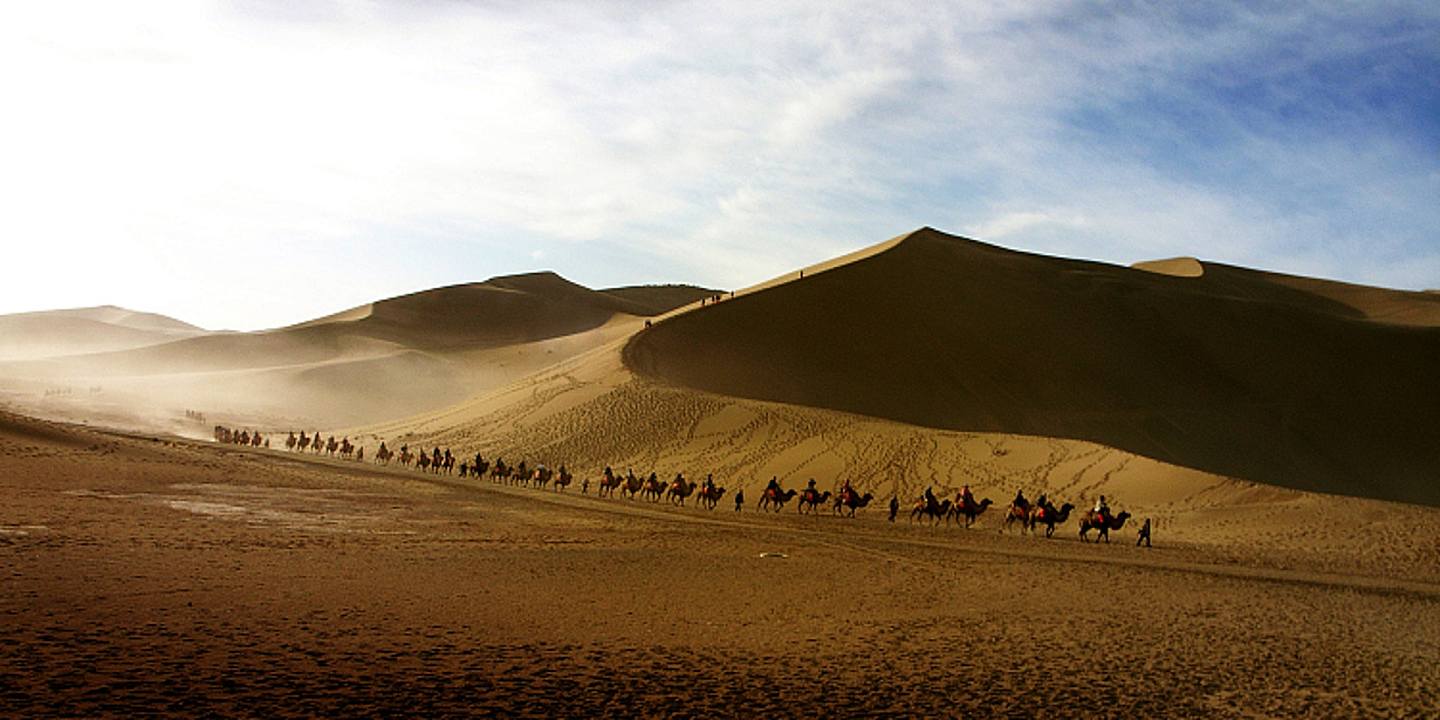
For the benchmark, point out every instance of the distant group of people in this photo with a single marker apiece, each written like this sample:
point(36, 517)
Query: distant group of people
point(231, 436)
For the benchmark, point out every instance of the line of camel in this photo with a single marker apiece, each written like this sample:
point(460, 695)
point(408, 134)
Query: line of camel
point(1029, 517)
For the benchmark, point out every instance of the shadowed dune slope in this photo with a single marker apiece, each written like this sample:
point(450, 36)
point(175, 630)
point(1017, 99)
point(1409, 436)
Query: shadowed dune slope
point(1261, 377)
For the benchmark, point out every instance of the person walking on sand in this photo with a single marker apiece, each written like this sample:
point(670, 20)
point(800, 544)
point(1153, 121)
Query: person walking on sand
point(1144, 534)
point(894, 506)
point(739, 499)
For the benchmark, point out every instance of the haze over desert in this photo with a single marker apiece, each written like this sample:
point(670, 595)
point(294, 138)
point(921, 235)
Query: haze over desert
point(551, 360)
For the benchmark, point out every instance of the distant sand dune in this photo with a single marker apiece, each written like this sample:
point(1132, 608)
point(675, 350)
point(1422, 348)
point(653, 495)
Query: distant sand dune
point(35, 335)
point(393, 357)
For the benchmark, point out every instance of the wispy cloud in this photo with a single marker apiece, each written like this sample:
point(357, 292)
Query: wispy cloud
point(203, 158)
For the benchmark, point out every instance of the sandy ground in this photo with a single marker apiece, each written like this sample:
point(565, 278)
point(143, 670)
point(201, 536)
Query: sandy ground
point(163, 576)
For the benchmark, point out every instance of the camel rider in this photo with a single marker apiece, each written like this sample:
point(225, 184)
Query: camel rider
point(1020, 501)
point(1102, 510)
point(930, 501)
point(966, 498)
point(709, 484)
point(1042, 503)
point(774, 486)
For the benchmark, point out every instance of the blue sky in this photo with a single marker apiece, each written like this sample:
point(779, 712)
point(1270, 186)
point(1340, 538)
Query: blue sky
point(246, 165)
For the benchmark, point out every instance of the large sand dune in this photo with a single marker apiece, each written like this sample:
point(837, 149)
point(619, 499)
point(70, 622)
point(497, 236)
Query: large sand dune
point(1288, 381)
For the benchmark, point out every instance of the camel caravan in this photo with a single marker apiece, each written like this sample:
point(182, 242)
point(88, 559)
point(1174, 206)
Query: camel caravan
point(231, 436)
point(964, 510)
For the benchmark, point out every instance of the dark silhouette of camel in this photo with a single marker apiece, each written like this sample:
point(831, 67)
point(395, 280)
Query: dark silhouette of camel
point(1093, 521)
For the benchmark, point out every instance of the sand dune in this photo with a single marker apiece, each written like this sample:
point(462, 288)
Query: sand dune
point(393, 357)
point(1297, 383)
point(34, 335)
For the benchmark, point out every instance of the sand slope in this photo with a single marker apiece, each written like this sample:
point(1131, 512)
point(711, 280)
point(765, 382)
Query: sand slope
point(1291, 382)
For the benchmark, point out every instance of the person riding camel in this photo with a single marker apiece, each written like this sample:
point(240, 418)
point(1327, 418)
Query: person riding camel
point(1020, 501)
point(1042, 505)
point(847, 493)
point(773, 487)
point(709, 484)
point(967, 499)
point(930, 501)
point(1102, 510)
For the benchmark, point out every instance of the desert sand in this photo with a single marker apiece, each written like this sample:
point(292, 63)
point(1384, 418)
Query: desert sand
point(158, 575)
point(1273, 429)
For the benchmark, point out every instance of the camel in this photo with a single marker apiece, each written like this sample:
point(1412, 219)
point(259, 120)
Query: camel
point(383, 455)
point(304, 443)
point(775, 497)
point(480, 467)
point(679, 490)
point(563, 479)
point(851, 500)
point(541, 477)
point(318, 445)
point(499, 472)
point(709, 496)
point(331, 446)
point(652, 489)
point(422, 462)
point(1049, 517)
point(1092, 520)
point(609, 483)
point(934, 511)
point(1014, 514)
point(968, 510)
point(811, 499)
point(406, 457)
point(632, 487)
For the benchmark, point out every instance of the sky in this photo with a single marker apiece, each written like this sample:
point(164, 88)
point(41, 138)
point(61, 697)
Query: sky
point(245, 165)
